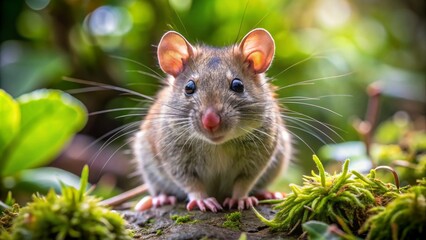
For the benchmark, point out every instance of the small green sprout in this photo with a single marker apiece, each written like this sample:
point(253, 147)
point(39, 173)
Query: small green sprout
point(342, 198)
point(233, 221)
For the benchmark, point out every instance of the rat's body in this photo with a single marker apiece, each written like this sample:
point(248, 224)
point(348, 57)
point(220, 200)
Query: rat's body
point(215, 132)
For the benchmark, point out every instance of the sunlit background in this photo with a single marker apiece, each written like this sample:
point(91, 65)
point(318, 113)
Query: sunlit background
point(327, 53)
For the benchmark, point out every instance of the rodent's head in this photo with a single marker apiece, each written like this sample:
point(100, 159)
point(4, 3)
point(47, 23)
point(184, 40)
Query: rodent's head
point(218, 94)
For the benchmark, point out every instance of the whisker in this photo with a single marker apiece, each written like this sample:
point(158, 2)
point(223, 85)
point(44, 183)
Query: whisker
point(138, 63)
point(116, 135)
point(300, 139)
point(102, 137)
point(115, 110)
point(85, 90)
point(113, 154)
point(312, 56)
point(309, 118)
point(146, 74)
point(106, 86)
point(315, 106)
point(304, 98)
point(313, 80)
point(302, 128)
point(254, 135)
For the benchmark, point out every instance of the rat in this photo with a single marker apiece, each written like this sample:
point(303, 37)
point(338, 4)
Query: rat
point(214, 134)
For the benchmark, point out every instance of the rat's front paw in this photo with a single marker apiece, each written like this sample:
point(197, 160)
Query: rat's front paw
point(162, 200)
point(147, 202)
point(266, 195)
point(204, 204)
point(242, 203)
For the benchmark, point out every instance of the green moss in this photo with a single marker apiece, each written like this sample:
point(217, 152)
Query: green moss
point(233, 221)
point(73, 215)
point(343, 198)
point(159, 232)
point(7, 217)
point(403, 218)
point(182, 219)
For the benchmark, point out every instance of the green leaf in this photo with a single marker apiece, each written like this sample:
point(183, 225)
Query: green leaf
point(10, 118)
point(49, 118)
point(45, 178)
point(320, 230)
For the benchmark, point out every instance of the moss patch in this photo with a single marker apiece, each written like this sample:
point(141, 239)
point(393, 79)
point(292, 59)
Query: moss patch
point(233, 221)
point(182, 219)
point(72, 215)
point(159, 232)
point(342, 198)
point(403, 218)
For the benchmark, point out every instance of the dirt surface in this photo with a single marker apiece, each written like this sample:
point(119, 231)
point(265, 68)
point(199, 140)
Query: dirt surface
point(164, 223)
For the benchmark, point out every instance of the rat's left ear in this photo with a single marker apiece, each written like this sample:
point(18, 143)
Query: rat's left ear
point(258, 49)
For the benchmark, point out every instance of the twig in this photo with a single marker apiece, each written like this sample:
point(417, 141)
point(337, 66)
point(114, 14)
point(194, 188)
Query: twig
point(123, 197)
point(365, 128)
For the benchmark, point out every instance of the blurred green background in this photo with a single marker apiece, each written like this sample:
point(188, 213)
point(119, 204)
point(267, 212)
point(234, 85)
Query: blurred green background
point(346, 45)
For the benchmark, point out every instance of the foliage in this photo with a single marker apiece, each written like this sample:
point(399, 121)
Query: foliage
point(403, 218)
point(343, 198)
point(35, 127)
point(73, 215)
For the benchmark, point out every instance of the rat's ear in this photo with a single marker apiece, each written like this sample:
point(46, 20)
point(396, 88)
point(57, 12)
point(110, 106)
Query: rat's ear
point(258, 49)
point(173, 52)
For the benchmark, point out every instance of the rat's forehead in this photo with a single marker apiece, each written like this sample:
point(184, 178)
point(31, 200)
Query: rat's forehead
point(229, 75)
point(214, 62)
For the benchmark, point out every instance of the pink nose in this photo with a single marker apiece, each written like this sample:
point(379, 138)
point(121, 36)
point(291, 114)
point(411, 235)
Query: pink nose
point(210, 120)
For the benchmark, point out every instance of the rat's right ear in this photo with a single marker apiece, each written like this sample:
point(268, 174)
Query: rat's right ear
point(173, 52)
point(258, 49)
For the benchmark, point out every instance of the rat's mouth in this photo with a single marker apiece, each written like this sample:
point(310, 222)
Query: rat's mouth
point(216, 138)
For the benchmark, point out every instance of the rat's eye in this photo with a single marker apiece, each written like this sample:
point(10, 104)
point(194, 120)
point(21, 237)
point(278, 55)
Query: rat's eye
point(190, 87)
point(237, 85)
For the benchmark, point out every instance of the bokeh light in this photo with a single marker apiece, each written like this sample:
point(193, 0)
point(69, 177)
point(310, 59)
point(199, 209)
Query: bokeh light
point(37, 4)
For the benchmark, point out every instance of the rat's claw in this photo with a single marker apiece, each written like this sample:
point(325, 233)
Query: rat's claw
point(242, 203)
point(201, 205)
point(212, 204)
point(230, 202)
point(204, 204)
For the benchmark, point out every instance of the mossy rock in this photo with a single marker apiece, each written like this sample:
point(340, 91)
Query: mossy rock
point(161, 223)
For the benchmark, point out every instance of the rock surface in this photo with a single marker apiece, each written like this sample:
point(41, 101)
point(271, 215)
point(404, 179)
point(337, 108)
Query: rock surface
point(161, 223)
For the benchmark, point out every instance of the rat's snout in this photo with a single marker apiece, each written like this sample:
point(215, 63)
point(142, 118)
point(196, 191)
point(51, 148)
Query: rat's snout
point(210, 119)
